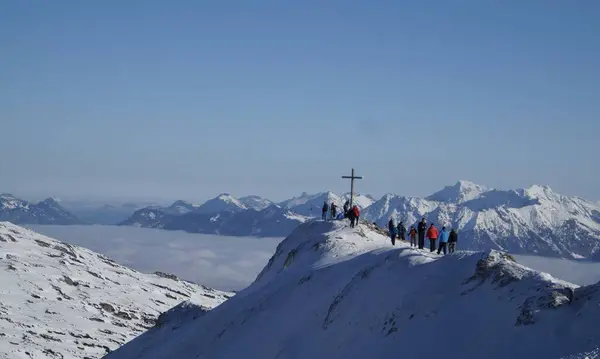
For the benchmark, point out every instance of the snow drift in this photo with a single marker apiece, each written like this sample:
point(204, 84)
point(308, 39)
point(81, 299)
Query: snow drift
point(62, 301)
point(334, 292)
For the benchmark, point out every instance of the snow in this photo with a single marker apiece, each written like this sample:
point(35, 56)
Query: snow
point(309, 205)
point(460, 192)
point(334, 292)
point(534, 220)
point(255, 202)
point(63, 301)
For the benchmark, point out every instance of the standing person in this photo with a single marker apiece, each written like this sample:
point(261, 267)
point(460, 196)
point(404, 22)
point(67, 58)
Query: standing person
point(401, 231)
point(432, 235)
point(325, 209)
point(453, 238)
point(356, 213)
point(444, 237)
point(422, 228)
point(333, 210)
point(393, 230)
point(413, 236)
point(346, 206)
point(351, 217)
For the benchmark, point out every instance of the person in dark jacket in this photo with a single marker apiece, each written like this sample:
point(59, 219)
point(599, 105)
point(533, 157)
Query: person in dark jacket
point(333, 210)
point(453, 238)
point(421, 229)
point(393, 231)
point(346, 206)
point(401, 231)
point(325, 209)
point(351, 217)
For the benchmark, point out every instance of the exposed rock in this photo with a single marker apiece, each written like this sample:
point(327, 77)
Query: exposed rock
point(107, 307)
point(167, 275)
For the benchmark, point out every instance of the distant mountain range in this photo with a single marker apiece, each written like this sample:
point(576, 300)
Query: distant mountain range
point(48, 211)
point(532, 220)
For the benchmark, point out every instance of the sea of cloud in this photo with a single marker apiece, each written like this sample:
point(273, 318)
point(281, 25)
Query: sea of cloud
point(227, 263)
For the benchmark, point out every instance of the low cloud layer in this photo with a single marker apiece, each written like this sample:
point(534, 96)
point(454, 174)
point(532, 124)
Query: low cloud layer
point(227, 263)
point(579, 272)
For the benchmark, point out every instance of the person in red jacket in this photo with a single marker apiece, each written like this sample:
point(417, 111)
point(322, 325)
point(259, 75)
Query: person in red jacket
point(356, 215)
point(432, 235)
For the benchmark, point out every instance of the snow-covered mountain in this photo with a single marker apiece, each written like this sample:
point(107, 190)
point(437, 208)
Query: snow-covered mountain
point(272, 221)
point(533, 220)
point(48, 211)
point(180, 207)
point(221, 203)
point(310, 205)
point(63, 301)
point(255, 202)
point(460, 192)
point(334, 292)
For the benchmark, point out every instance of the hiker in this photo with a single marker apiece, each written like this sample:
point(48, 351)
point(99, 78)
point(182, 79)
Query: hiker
point(393, 230)
point(350, 215)
point(422, 227)
point(333, 210)
point(432, 235)
point(413, 236)
point(401, 231)
point(444, 237)
point(453, 238)
point(355, 213)
point(325, 209)
point(346, 206)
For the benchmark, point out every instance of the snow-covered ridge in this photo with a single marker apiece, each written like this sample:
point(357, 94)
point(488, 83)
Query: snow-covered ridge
point(334, 292)
point(63, 301)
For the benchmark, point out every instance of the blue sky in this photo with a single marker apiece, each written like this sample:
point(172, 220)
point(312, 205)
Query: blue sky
point(188, 99)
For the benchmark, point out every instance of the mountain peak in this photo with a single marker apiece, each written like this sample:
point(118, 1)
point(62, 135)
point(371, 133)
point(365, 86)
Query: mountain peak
point(336, 272)
point(461, 191)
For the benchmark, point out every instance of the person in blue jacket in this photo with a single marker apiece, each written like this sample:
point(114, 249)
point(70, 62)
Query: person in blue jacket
point(444, 236)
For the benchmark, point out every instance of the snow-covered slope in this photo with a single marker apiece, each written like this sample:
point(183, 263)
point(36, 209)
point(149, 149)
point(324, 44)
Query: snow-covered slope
point(221, 203)
point(48, 211)
point(334, 292)
point(255, 202)
point(62, 301)
point(535, 220)
point(460, 192)
point(180, 207)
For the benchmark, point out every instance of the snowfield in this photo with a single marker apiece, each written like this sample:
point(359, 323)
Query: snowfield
point(334, 292)
point(62, 301)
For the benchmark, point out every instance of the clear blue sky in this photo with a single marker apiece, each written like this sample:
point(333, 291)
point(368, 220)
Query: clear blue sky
point(187, 99)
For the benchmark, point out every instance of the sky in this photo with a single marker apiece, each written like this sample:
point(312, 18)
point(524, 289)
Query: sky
point(189, 99)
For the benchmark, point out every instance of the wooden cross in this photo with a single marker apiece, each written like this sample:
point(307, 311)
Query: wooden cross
point(352, 178)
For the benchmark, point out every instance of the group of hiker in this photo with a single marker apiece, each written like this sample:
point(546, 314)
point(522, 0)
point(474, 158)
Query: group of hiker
point(447, 239)
point(352, 213)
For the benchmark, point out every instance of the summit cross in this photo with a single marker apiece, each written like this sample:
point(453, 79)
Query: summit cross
point(352, 178)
